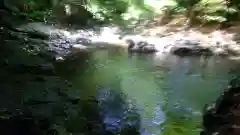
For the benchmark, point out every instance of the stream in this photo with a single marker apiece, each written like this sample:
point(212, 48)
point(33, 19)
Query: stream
point(167, 93)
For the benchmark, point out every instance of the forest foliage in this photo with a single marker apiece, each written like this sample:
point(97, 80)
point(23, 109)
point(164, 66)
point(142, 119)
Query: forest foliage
point(202, 11)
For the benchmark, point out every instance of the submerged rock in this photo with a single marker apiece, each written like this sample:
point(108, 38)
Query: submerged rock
point(117, 115)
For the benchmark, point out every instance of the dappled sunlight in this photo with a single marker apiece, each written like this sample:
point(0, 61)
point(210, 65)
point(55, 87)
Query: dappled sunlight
point(132, 12)
point(68, 9)
point(162, 37)
point(159, 4)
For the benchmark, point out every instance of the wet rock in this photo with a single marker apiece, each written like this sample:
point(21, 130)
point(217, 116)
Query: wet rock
point(220, 117)
point(140, 47)
point(186, 50)
point(178, 47)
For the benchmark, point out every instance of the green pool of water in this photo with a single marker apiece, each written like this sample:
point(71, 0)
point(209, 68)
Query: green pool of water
point(169, 91)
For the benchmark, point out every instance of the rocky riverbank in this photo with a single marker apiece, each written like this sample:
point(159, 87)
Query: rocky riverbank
point(33, 99)
point(191, 41)
point(179, 41)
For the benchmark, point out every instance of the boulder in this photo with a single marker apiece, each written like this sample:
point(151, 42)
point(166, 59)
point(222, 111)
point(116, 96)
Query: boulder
point(177, 47)
point(185, 50)
point(141, 47)
point(222, 117)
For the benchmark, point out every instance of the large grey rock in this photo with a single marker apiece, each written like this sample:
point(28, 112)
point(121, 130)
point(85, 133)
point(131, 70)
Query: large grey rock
point(141, 47)
point(189, 47)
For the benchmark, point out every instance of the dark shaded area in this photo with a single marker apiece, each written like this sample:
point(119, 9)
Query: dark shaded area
point(26, 125)
point(191, 51)
point(222, 117)
point(35, 101)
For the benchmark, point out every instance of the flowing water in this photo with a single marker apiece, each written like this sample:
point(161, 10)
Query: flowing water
point(168, 92)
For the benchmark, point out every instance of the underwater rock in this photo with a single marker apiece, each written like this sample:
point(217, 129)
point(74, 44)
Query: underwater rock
point(116, 114)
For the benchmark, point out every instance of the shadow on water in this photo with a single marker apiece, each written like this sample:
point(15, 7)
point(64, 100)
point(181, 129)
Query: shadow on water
point(154, 94)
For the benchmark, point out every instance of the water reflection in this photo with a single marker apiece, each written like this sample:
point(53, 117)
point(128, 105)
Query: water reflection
point(167, 92)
